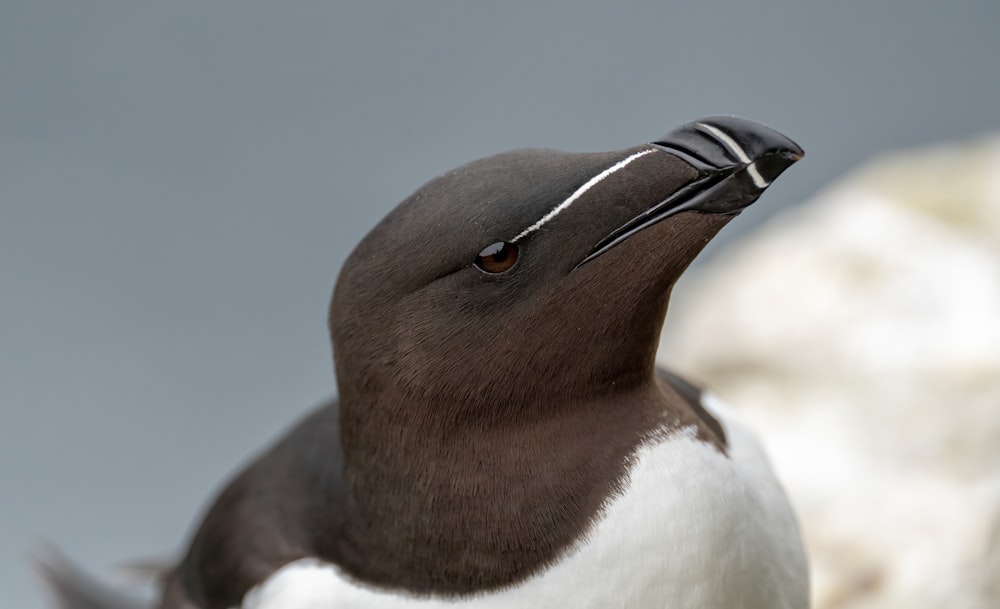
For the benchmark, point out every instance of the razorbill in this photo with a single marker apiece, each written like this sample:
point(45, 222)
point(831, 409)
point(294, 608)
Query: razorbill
point(502, 437)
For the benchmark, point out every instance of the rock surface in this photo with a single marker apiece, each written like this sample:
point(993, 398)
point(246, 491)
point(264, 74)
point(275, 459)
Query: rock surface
point(860, 333)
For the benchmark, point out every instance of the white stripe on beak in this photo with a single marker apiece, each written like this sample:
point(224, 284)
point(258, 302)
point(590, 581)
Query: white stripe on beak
point(741, 154)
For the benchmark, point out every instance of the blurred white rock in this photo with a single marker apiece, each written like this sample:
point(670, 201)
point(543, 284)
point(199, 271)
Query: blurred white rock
point(860, 333)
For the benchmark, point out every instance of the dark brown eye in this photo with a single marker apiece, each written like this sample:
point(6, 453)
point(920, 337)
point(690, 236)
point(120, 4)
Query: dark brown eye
point(497, 258)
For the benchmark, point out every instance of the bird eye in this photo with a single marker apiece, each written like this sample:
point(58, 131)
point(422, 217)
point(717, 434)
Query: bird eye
point(497, 258)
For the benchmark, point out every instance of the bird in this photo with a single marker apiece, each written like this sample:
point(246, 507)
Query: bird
point(501, 435)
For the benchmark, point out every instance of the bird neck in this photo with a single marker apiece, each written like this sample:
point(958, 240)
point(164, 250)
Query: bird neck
point(434, 498)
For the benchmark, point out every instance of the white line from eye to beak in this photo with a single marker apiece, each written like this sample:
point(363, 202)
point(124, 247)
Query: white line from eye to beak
point(741, 154)
point(579, 192)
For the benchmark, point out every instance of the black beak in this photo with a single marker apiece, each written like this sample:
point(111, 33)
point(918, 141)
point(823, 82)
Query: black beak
point(736, 160)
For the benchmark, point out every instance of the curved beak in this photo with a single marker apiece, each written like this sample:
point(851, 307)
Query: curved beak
point(736, 160)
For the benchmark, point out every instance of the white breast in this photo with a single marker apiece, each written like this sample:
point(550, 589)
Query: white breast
point(693, 530)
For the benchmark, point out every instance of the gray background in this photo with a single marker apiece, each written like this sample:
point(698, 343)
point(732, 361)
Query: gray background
point(180, 182)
